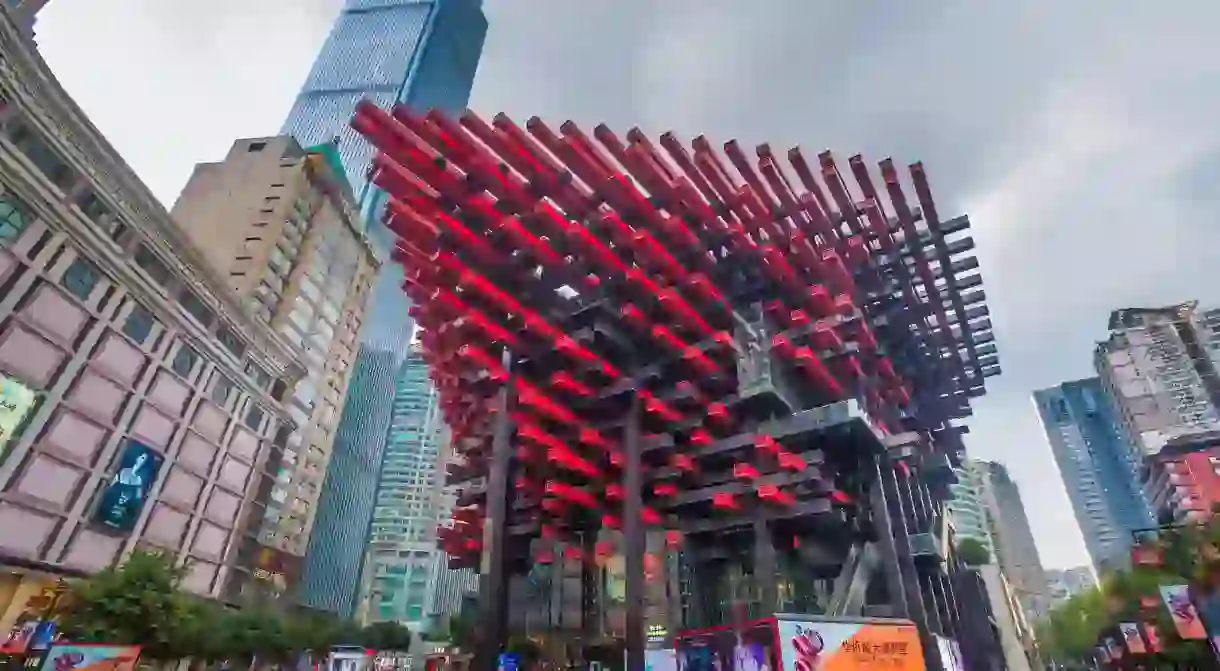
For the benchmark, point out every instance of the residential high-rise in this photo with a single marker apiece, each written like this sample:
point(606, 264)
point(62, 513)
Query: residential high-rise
point(968, 507)
point(279, 222)
point(121, 352)
point(1102, 480)
point(1156, 367)
point(1013, 541)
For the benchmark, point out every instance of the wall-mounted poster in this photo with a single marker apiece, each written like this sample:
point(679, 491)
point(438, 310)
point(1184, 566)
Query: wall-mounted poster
point(123, 498)
point(16, 402)
point(91, 657)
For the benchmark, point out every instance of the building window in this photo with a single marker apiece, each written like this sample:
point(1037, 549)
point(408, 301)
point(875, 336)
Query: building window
point(196, 308)
point(147, 261)
point(184, 361)
point(14, 217)
point(139, 324)
point(221, 389)
point(42, 156)
point(81, 278)
point(254, 418)
point(231, 342)
point(256, 146)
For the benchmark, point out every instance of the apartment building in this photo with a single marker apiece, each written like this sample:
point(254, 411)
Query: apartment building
point(1157, 369)
point(279, 223)
point(967, 507)
point(139, 402)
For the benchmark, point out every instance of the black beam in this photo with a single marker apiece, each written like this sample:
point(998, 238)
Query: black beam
point(633, 531)
point(493, 571)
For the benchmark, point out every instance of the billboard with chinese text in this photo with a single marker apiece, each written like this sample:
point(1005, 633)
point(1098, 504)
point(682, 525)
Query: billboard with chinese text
point(849, 645)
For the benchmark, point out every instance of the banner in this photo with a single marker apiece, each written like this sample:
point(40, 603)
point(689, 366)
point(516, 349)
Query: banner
point(1185, 617)
point(849, 646)
point(1132, 638)
point(1154, 637)
point(91, 657)
point(124, 496)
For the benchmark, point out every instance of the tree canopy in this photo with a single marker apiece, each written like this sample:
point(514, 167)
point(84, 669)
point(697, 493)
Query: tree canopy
point(139, 602)
point(1070, 632)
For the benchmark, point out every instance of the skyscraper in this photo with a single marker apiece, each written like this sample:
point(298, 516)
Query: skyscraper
point(333, 563)
point(402, 536)
point(1013, 541)
point(1095, 461)
point(423, 53)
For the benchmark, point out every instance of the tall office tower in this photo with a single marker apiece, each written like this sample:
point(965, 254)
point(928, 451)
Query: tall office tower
point(1158, 372)
point(280, 225)
point(420, 52)
point(1102, 480)
point(120, 352)
point(336, 546)
point(1015, 550)
point(968, 507)
point(402, 536)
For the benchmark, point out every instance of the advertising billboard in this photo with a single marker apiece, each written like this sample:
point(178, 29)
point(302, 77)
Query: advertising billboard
point(1185, 617)
point(124, 496)
point(849, 645)
point(91, 657)
point(16, 402)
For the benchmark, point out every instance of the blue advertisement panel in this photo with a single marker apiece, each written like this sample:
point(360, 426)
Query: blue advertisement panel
point(124, 496)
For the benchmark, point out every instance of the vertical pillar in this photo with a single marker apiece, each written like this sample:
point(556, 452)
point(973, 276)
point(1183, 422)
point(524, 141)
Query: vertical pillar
point(765, 570)
point(904, 570)
point(879, 502)
point(493, 574)
point(633, 533)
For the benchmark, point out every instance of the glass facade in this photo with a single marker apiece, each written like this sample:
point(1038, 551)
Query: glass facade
point(336, 546)
point(402, 536)
point(967, 507)
point(1101, 479)
point(423, 53)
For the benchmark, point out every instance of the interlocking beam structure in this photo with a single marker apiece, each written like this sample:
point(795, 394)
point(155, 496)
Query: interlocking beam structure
point(626, 336)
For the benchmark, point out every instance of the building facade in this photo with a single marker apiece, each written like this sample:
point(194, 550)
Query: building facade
point(1156, 367)
point(968, 507)
point(1183, 481)
point(1016, 553)
point(24, 12)
point(1101, 478)
point(279, 222)
point(336, 546)
point(141, 403)
point(402, 535)
point(423, 53)
point(1015, 633)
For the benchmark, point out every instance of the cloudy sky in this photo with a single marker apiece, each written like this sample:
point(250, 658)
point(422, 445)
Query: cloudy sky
point(1083, 138)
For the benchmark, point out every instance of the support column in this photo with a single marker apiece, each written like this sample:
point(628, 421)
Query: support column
point(633, 535)
point(493, 574)
point(765, 569)
point(889, 550)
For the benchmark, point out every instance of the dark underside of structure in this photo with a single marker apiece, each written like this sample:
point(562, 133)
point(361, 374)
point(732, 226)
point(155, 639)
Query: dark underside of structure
point(687, 392)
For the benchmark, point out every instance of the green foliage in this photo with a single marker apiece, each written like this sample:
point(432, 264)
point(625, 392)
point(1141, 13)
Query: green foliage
point(386, 636)
point(139, 602)
point(973, 552)
point(1071, 631)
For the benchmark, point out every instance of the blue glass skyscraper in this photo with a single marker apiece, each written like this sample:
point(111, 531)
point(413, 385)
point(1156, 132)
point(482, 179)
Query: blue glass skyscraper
point(1101, 482)
point(423, 53)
